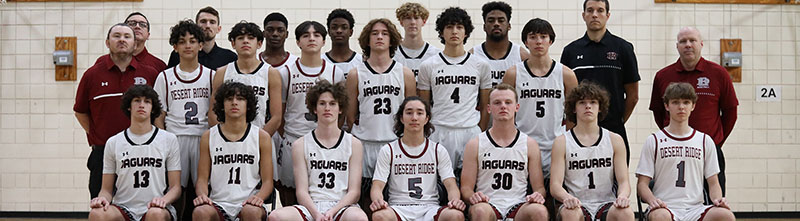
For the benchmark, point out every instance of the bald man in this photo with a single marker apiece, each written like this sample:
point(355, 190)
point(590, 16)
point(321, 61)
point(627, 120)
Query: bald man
point(715, 113)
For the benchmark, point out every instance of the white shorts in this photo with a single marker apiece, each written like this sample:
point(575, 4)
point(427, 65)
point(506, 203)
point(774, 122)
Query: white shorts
point(322, 207)
point(371, 150)
point(276, 143)
point(690, 213)
point(189, 146)
point(226, 212)
point(545, 155)
point(284, 159)
point(130, 215)
point(454, 140)
point(506, 211)
point(417, 212)
point(593, 211)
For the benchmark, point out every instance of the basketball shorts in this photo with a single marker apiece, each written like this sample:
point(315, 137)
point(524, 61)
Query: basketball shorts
point(594, 211)
point(190, 155)
point(276, 144)
point(284, 159)
point(228, 215)
point(417, 212)
point(454, 139)
point(128, 214)
point(322, 207)
point(371, 151)
point(689, 213)
point(506, 212)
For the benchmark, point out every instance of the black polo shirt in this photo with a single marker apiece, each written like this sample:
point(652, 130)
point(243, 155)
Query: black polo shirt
point(610, 63)
point(214, 59)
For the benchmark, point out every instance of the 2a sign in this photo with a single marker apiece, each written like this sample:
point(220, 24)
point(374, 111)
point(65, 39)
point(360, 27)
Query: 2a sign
point(768, 93)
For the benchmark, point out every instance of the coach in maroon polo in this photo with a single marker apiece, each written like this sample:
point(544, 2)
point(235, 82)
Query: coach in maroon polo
point(141, 28)
point(715, 113)
point(97, 102)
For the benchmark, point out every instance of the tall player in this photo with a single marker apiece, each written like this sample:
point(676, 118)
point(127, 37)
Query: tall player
point(542, 85)
point(678, 158)
point(500, 162)
point(276, 30)
point(246, 39)
point(238, 171)
point(411, 167)
point(379, 85)
point(458, 85)
point(327, 163)
point(588, 160)
point(298, 76)
point(501, 53)
point(413, 50)
point(135, 164)
point(340, 26)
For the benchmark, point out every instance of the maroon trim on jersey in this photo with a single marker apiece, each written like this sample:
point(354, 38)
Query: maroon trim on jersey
point(677, 138)
point(391, 156)
point(435, 154)
point(338, 215)
point(175, 71)
point(166, 86)
point(301, 213)
point(704, 151)
point(655, 151)
point(299, 68)
point(514, 210)
point(586, 215)
point(703, 215)
point(599, 214)
point(397, 215)
point(497, 213)
point(420, 154)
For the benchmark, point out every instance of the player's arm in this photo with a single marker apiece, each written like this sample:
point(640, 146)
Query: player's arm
point(275, 102)
point(83, 119)
point(445, 172)
point(483, 102)
point(301, 178)
point(265, 167)
point(621, 171)
point(715, 192)
point(410, 82)
point(645, 172)
point(160, 87)
point(173, 165)
point(510, 77)
point(351, 87)
point(424, 82)
point(523, 54)
point(535, 173)
point(711, 172)
point(631, 98)
point(557, 171)
point(353, 176)
point(382, 167)
point(203, 171)
point(219, 78)
point(103, 198)
point(469, 174)
point(570, 82)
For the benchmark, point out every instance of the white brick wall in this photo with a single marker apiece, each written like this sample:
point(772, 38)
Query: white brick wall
point(42, 167)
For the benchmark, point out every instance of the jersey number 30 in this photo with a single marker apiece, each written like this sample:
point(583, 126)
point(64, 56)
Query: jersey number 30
point(502, 180)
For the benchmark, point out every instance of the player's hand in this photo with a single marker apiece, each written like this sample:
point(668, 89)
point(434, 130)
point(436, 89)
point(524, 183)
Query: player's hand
point(456, 204)
point(328, 215)
point(254, 200)
point(721, 202)
point(200, 200)
point(657, 203)
point(157, 202)
point(571, 202)
point(535, 197)
point(622, 202)
point(478, 197)
point(99, 202)
point(320, 216)
point(378, 205)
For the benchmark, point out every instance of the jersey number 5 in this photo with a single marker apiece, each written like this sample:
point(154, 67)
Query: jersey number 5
point(414, 191)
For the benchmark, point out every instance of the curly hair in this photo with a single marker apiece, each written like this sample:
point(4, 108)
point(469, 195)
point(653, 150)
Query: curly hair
point(538, 26)
point(322, 86)
point(399, 127)
point(586, 90)
point(302, 28)
point(394, 36)
point(496, 5)
point(679, 90)
point(454, 16)
point(341, 13)
point(183, 28)
point(245, 28)
point(230, 89)
point(411, 10)
point(141, 90)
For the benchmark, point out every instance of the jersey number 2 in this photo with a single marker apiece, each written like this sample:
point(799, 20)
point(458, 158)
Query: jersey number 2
point(191, 112)
point(144, 182)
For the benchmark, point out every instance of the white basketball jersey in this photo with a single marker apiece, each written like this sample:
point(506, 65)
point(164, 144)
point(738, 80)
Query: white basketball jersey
point(185, 96)
point(259, 80)
point(328, 167)
point(379, 97)
point(678, 166)
point(589, 168)
point(298, 79)
point(503, 171)
point(234, 168)
point(454, 84)
point(280, 66)
point(543, 99)
point(412, 59)
point(499, 66)
point(413, 177)
point(141, 167)
point(345, 66)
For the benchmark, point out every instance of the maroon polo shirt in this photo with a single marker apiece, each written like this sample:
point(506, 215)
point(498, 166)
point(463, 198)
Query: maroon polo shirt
point(715, 97)
point(144, 58)
point(100, 92)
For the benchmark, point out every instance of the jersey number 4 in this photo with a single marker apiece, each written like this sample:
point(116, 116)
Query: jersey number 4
point(141, 179)
point(330, 178)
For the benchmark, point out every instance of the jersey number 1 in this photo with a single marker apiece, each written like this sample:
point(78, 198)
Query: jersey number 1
point(681, 182)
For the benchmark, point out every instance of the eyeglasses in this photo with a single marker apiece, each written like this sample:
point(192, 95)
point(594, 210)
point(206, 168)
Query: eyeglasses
point(133, 23)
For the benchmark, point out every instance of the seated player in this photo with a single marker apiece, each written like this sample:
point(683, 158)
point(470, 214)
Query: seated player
point(500, 162)
point(412, 165)
point(588, 160)
point(678, 158)
point(327, 163)
point(240, 162)
point(137, 164)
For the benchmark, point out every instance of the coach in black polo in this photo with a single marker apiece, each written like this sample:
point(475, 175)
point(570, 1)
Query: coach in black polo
point(608, 60)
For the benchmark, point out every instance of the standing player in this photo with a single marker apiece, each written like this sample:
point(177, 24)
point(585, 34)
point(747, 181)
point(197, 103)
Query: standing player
point(500, 52)
point(235, 162)
point(340, 26)
point(379, 84)
point(542, 85)
point(458, 85)
point(678, 158)
point(412, 165)
point(246, 38)
point(298, 76)
point(327, 163)
point(588, 161)
point(276, 30)
point(500, 162)
point(211, 55)
point(413, 50)
point(135, 163)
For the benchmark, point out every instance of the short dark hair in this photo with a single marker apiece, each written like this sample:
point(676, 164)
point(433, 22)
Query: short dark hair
point(276, 16)
point(209, 10)
point(538, 26)
point(341, 13)
point(302, 28)
point(141, 90)
point(496, 5)
point(454, 16)
point(108, 35)
point(245, 28)
point(322, 86)
point(604, 1)
point(394, 36)
point(679, 90)
point(183, 28)
point(230, 89)
point(586, 90)
point(399, 128)
point(505, 86)
point(140, 14)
